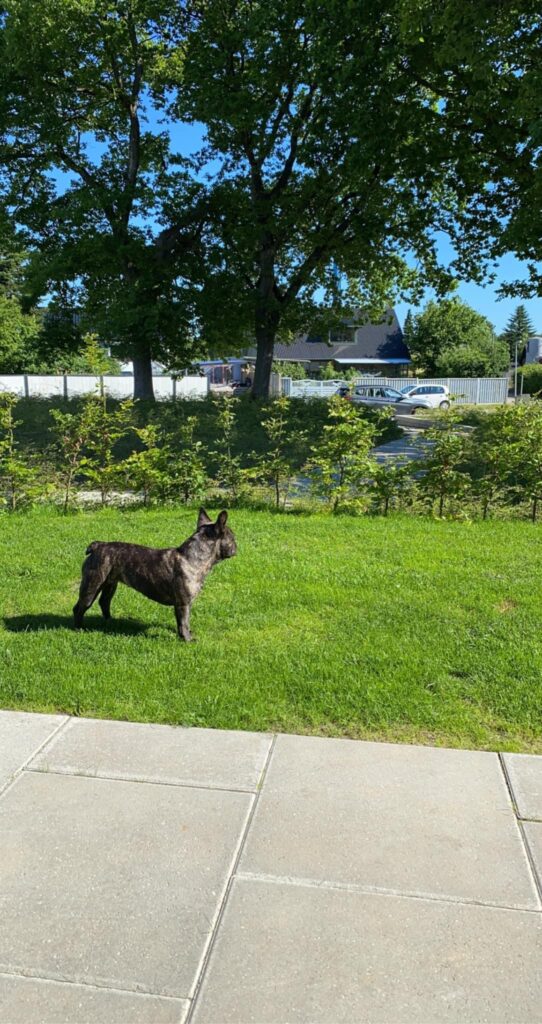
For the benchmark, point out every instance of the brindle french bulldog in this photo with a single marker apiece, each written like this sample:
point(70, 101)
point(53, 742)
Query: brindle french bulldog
point(172, 576)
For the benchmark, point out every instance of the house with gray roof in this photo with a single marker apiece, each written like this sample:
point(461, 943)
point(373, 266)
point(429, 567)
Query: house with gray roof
point(369, 348)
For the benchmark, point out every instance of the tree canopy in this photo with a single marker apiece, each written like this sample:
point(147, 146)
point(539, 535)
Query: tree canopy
point(335, 159)
point(340, 139)
point(348, 135)
point(19, 332)
point(482, 62)
point(108, 210)
point(450, 339)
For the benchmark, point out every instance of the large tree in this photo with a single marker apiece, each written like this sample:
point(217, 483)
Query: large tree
point(450, 339)
point(346, 138)
point(334, 156)
point(109, 212)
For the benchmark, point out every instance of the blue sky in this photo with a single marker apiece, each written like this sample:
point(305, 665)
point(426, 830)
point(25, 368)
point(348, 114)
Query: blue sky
point(484, 298)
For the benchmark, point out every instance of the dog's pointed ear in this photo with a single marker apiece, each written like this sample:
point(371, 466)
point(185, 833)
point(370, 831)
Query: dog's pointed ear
point(221, 522)
point(203, 518)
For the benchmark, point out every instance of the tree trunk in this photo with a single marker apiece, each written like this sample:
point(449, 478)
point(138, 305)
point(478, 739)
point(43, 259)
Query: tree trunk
point(267, 318)
point(265, 337)
point(143, 375)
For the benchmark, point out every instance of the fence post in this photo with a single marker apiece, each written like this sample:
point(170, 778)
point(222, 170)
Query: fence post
point(174, 388)
point(477, 402)
point(26, 388)
point(65, 385)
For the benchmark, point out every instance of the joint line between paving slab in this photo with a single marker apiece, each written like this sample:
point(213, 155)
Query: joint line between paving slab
point(139, 781)
point(375, 890)
point(532, 863)
point(65, 721)
point(526, 848)
point(27, 974)
point(214, 931)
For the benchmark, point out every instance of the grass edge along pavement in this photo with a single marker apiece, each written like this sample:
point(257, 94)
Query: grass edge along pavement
point(402, 629)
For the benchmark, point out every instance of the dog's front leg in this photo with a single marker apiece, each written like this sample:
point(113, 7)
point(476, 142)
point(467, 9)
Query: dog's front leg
point(182, 614)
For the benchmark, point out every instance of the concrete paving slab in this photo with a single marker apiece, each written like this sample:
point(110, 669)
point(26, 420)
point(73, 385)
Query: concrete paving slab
point(34, 1001)
point(401, 818)
point(533, 831)
point(113, 883)
point(21, 735)
point(158, 753)
point(525, 774)
point(287, 953)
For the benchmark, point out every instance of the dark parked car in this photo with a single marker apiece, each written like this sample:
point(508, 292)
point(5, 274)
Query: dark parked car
point(381, 396)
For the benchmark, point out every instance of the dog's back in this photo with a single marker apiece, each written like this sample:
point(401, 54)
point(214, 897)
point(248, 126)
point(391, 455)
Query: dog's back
point(151, 571)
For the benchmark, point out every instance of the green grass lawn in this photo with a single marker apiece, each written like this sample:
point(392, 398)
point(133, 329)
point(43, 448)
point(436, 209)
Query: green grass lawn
point(400, 629)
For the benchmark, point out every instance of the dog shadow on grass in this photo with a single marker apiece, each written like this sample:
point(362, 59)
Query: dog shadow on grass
point(93, 624)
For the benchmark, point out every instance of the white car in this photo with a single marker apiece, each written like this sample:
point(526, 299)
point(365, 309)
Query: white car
point(435, 396)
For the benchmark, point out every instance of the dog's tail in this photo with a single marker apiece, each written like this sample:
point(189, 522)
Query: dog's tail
point(92, 547)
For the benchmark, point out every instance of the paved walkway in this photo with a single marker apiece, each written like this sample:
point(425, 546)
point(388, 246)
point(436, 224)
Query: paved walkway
point(411, 447)
point(151, 874)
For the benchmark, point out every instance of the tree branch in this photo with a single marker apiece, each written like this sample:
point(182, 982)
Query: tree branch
point(283, 107)
point(129, 102)
point(323, 248)
point(90, 180)
point(138, 72)
point(117, 77)
point(284, 176)
point(134, 146)
point(256, 181)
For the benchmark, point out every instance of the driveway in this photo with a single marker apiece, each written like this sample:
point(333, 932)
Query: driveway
point(409, 448)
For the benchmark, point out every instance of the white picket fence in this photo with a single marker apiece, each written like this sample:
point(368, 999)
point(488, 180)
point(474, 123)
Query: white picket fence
point(309, 388)
point(74, 385)
point(470, 390)
point(465, 390)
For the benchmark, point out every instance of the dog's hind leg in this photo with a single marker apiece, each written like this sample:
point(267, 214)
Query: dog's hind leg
point(106, 596)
